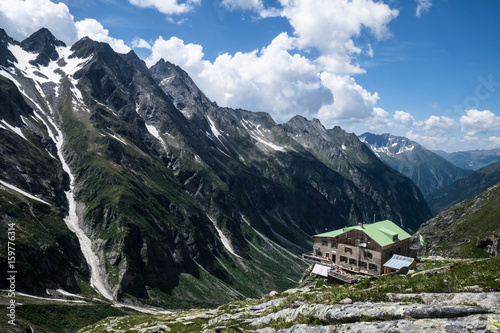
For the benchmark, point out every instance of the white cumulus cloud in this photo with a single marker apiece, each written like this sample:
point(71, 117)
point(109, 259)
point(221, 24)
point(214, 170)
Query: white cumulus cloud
point(380, 120)
point(351, 101)
point(168, 7)
point(495, 140)
point(278, 78)
point(271, 79)
point(141, 43)
point(188, 56)
point(403, 118)
point(435, 141)
point(475, 122)
point(440, 122)
point(94, 30)
point(329, 27)
point(22, 18)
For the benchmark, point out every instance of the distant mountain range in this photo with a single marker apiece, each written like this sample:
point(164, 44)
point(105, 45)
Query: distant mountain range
point(427, 169)
point(465, 188)
point(473, 159)
point(442, 183)
point(129, 180)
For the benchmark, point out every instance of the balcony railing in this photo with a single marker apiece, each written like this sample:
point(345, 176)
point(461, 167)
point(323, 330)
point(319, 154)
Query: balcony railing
point(335, 271)
point(344, 277)
point(311, 257)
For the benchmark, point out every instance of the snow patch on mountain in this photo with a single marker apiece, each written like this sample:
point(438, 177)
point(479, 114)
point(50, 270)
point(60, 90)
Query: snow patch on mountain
point(391, 147)
point(216, 132)
point(72, 220)
point(225, 241)
point(5, 125)
point(51, 299)
point(214, 129)
point(26, 194)
point(256, 133)
point(50, 74)
point(118, 138)
point(154, 132)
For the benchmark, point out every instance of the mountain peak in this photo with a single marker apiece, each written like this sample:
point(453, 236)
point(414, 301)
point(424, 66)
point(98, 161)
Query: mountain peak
point(388, 143)
point(135, 62)
point(299, 125)
point(180, 88)
point(167, 68)
point(86, 46)
point(5, 55)
point(44, 43)
point(427, 169)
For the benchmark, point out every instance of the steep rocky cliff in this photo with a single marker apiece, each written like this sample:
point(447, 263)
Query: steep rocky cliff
point(148, 191)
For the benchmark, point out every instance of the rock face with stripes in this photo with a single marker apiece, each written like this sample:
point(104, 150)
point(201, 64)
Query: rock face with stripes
point(130, 180)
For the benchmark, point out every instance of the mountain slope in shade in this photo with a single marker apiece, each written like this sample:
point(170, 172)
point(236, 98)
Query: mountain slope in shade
point(465, 188)
point(473, 159)
point(428, 170)
point(348, 156)
point(175, 201)
point(466, 229)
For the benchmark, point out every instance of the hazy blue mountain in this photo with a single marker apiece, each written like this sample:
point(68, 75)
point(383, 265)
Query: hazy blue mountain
point(465, 188)
point(473, 159)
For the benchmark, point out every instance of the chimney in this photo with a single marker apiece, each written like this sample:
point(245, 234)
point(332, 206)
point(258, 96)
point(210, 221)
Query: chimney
point(360, 225)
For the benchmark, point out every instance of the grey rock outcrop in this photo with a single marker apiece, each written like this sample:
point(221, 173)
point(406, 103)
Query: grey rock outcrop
point(490, 244)
point(453, 312)
point(490, 300)
point(476, 323)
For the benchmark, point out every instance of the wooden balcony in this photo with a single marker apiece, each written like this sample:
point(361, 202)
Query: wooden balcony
point(341, 276)
point(336, 272)
point(310, 256)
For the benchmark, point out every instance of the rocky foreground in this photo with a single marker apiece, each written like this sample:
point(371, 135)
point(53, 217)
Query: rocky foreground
point(449, 312)
point(454, 297)
point(435, 316)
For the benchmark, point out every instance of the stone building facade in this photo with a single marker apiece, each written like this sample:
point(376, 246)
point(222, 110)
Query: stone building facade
point(363, 248)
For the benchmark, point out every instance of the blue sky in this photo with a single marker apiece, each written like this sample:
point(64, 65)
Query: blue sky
point(425, 69)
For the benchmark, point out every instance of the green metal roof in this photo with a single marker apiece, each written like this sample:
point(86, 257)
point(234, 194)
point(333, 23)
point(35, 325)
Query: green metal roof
point(382, 232)
point(335, 233)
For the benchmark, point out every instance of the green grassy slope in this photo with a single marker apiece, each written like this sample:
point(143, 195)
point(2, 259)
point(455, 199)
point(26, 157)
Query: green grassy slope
point(456, 230)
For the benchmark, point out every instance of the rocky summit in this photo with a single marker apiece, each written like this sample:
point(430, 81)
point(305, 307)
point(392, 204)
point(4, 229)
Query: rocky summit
point(427, 169)
point(128, 184)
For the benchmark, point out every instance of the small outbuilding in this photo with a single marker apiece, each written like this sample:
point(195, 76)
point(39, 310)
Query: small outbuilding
point(399, 263)
point(320, 270)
